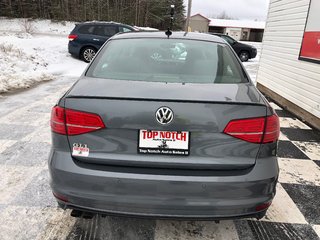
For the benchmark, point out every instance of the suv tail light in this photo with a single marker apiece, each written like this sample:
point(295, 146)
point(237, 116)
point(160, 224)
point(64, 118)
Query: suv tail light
point(72, 37)
point(72, 122)
point(255, 130)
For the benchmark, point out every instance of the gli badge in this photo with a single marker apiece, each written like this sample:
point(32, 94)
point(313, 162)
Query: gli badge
point(80, 150)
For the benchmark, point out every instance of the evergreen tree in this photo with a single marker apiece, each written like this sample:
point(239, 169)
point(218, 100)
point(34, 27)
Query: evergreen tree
point(151, 13)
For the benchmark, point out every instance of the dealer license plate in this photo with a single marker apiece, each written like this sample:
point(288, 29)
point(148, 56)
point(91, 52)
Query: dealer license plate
point(163, 142)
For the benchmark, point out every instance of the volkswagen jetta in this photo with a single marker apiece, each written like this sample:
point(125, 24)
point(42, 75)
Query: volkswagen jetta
point(165, 127)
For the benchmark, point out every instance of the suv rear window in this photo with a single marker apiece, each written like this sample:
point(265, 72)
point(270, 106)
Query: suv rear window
point(167, 60)
point(124, 29)
point(86, 29)
point(105, 30)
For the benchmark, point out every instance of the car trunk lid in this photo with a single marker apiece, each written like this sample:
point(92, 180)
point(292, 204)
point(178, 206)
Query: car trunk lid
point(201, 110)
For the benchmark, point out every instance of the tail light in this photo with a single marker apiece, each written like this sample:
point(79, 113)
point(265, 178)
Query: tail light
point(81, 122)
point(263, 206)
point(60, 197)
point(72, 37)
point(72, 122)
point(255, 130)
point(272, 130)
point(57, 121)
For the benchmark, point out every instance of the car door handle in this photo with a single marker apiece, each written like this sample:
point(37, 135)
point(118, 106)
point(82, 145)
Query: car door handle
point(96, 39)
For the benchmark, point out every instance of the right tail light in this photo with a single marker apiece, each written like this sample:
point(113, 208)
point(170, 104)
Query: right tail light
point(255, 130)
point(72, 37)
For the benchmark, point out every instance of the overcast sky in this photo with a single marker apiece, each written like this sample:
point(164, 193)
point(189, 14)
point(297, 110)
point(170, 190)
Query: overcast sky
point(241, 9)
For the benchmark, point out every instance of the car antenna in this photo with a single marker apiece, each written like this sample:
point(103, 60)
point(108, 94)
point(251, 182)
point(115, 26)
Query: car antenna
point(169, 32)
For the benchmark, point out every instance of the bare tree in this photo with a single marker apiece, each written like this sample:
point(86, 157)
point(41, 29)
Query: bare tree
point(27, 25)
point(222, 15)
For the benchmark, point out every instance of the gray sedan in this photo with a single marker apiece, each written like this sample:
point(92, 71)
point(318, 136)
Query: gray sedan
point(167, 128)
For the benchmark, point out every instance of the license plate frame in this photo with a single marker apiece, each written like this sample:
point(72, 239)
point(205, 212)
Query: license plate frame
point(164, 142)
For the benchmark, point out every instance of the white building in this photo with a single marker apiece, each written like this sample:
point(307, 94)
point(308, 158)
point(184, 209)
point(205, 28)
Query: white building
point(289, 70)
point(244, 30)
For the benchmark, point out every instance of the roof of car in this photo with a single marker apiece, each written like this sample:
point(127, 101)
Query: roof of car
point(100, 22)
point(175, 35)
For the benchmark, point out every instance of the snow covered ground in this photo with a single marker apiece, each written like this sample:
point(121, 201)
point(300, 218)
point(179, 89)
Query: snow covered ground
point(36, 26)
point(27, 59)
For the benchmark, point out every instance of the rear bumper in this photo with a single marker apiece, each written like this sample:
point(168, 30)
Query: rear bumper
point(74, 48)
point(163, 196)
point(253, 53)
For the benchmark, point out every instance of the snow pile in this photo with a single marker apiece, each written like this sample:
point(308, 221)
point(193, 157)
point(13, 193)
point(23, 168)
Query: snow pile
point(19, 69)
point(26, 60)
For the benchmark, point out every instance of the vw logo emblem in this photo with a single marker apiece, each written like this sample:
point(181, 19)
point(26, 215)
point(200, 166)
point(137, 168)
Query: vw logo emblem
point(164, 115)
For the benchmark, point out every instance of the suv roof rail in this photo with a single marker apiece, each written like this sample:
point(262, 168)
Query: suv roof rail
point(95, 21)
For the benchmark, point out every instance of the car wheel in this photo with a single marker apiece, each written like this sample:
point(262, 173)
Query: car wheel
point(244, 56)
point(88, 53)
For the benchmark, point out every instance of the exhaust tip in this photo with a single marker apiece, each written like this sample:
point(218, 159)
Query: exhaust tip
point(76, 213)
point(80, 214)
point(88, 215)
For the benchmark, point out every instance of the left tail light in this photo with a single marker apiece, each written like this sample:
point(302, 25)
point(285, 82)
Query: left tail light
point(57, 121)
point(73, 122)
point(263, 206)
point(60, 197)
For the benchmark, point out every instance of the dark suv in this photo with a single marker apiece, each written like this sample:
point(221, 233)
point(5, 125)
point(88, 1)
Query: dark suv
point(244, 51)
point(86, 38)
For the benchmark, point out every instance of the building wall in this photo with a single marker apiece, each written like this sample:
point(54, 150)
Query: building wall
point(256, 35)
point(293, 82)
point(234, 33)
point(199, 24)
point(245, 34)
point(221, 30)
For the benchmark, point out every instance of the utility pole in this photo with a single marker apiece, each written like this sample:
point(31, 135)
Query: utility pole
point(188, 15)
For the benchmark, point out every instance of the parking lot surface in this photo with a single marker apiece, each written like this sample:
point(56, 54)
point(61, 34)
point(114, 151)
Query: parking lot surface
point(29, 211)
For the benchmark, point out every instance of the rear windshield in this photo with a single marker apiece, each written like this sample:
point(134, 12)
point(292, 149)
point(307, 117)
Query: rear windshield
point(167, 60)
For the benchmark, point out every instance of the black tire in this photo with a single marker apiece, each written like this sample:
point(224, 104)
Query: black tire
point(244, 56)
point(88, 53)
